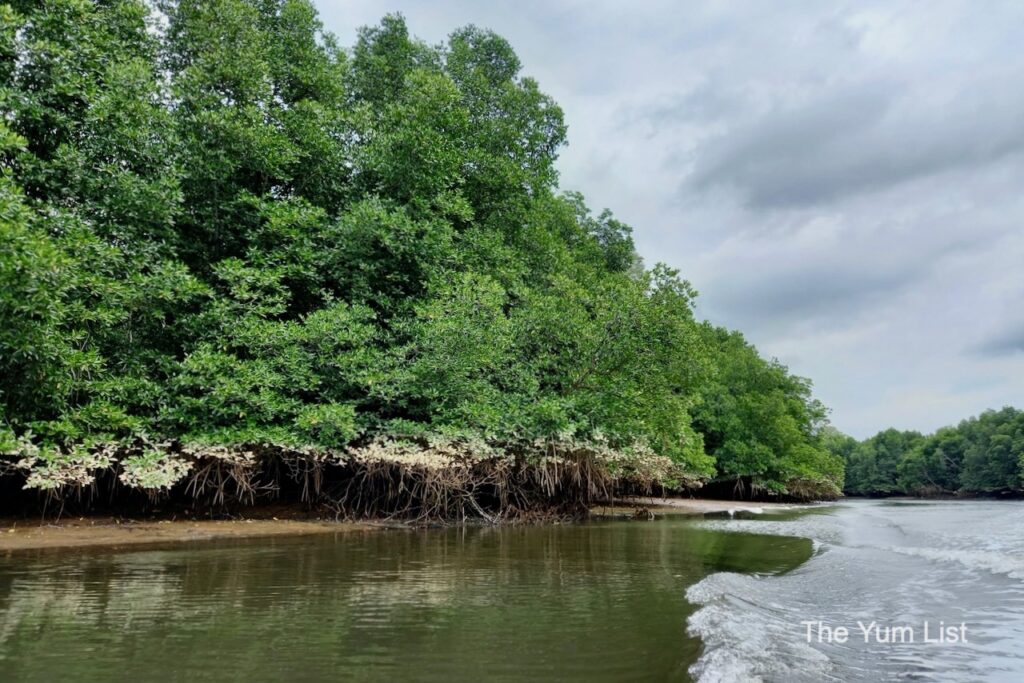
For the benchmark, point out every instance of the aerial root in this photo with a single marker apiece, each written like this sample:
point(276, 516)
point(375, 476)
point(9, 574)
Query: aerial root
point(419, 484)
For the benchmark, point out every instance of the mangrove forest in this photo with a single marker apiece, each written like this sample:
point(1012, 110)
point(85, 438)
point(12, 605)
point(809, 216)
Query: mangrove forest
point(240, 262)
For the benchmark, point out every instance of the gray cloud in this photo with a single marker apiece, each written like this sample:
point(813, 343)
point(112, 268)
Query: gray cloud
point(705, 103)
point(841, 181)
point(1006, 341)
point(777, 299)
point(858, 138)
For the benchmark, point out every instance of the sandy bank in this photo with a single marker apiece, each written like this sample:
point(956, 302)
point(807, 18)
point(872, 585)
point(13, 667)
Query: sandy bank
point(17, 535)
point(684, 506)
point(92, 532)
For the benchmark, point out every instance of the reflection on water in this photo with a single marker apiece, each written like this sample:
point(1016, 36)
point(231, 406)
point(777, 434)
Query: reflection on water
point(602, 601)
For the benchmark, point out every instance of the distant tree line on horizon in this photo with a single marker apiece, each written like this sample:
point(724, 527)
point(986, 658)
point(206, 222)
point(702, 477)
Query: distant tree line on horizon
point(983, 455)
point(218, 227)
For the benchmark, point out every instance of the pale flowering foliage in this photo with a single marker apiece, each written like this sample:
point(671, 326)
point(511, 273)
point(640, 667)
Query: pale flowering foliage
point(235, 455)
point(640, 464)
point(158, 467)
point(52, 471)
point(153, 470)
point(432, 453)
point(637, 463)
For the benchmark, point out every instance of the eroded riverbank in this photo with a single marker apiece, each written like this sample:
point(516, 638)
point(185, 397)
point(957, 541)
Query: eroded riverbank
point(652, 505)
point(101, 531)
point(108, 532)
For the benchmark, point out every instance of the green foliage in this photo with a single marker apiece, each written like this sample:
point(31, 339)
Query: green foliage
point(982, 455)
point(760, 422)
point(218, 227)
point(995, 448)
point(873, 467)
point(152, 470)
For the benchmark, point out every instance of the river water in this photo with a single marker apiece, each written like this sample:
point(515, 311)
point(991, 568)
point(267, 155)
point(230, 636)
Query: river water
point(673, 599)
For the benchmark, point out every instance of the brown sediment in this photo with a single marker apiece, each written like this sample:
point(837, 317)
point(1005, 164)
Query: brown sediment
point(286, 520)
point(112, 532)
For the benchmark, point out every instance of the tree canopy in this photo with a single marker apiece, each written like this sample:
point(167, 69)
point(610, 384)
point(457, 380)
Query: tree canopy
point(981, 455)
point(219, 226)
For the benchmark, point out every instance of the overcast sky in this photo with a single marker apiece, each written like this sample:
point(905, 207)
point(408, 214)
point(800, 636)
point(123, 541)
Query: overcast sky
point(843, 182)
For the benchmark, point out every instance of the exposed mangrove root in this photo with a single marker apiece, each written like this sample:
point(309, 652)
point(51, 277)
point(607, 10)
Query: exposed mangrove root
point(418, 480)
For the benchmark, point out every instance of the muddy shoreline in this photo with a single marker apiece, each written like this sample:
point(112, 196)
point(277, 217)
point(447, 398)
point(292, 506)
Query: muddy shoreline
point(20, 534)
point(638, 505)
point(115, 533)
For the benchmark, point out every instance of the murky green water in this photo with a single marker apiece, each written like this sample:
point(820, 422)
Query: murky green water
point(600, 601)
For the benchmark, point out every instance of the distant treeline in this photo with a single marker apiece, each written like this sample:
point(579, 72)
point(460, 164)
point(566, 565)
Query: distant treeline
point(980, 456)
point(224, 238)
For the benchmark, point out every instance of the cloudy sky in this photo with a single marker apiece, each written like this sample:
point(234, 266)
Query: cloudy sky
point(840, 181)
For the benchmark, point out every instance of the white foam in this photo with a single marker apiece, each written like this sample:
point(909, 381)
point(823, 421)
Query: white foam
point(997, 563)
point(744, 638)
point(871, 561)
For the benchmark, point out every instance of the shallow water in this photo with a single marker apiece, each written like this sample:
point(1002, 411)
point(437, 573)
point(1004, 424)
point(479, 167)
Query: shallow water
point(600, 601)
point(716, 600)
